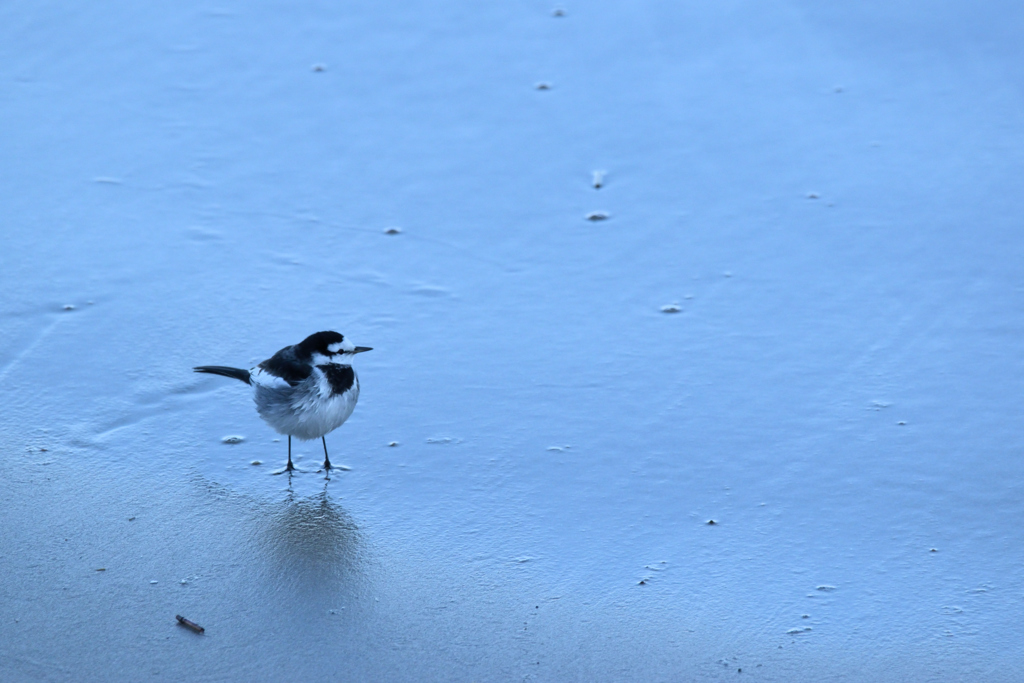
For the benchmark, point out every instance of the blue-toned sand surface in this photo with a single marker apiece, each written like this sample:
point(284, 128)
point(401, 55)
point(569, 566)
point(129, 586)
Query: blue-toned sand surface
point(824, 197)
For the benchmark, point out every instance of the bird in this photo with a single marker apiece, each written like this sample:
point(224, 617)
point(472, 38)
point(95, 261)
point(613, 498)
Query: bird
point(306, 390)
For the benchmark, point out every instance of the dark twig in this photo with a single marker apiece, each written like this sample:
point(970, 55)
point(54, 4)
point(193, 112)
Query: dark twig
point(187, 623)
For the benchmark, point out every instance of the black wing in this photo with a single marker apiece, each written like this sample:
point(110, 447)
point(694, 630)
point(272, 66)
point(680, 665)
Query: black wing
point(285, 365)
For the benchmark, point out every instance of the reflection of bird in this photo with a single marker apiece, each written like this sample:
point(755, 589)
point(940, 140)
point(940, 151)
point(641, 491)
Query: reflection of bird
point(312, 543)
point(305, 390)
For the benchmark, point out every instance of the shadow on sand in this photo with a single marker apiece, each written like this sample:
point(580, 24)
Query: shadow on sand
point(311, 543)
point(297, 546)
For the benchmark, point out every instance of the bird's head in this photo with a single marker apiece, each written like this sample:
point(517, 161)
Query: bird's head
point(329, 347)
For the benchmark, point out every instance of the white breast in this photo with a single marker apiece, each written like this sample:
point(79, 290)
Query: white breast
point(306, 411)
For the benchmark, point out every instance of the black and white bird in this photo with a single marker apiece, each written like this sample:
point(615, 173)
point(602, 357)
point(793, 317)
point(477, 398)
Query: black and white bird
point(306, 390)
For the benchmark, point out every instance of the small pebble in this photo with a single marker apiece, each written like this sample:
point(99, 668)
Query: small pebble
point(233, 439)
point(901, 422)
point(812, 195)
point(152, 583)
point(543, 86)
point(393, 231)
point(256, 462)
point(598, 216)
point(670, 308)
point(319, 67)
point(69, 307)
point(711, 521)
point(392, 444)
point(558, 12)
point(102, 569)
point(131, 519)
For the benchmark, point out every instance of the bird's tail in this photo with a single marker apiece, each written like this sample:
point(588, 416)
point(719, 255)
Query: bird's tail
point(236, 373)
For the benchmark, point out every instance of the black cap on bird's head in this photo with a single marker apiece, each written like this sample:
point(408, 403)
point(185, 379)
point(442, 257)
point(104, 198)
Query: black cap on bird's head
point(328, 343)
point(319, 341)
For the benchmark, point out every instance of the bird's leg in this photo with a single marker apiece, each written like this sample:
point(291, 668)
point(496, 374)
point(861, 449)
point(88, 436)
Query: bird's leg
point(289, 468)
point(327, 460)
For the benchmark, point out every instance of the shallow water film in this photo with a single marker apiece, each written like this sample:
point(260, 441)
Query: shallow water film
point(698, 348)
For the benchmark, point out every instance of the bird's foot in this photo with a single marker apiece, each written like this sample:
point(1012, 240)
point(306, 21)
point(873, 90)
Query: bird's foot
point(289, 468)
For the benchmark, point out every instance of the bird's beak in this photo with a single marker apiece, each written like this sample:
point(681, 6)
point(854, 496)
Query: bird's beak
point(360, 349)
